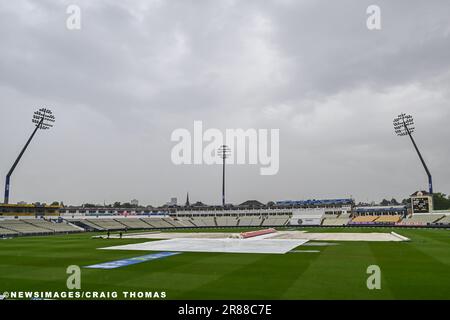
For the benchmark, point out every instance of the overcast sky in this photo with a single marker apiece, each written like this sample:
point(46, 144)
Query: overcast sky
point(138, 70)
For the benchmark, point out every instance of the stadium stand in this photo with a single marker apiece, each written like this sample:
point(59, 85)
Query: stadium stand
point(339, 221)
point(61, 227)
point(175, 223)
point(314, 202)
point(134, 223)
point(331, 215)
point(87, 225)
point(388, 219)
point(210, 221)
point(250, 221)
point(232, 222)
point(226, 221)
point(421, 220)
point(275, 221)
point(204, 221)
point(23, 227)
point(309, 217)
point(364, 219)
point(244, 221)
point(186, 222)
point(157, 223)
point(7, 232)
point(107, 224)
point(444, 220)
point(221, 221)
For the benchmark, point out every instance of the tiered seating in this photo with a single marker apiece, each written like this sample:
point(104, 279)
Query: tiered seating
point(226, 221)
point(388, 219)
point(209, 221)
point(157, 223)
point(107, 224)
point(197, 222)
point(250, 221)
point(245, 221)
point(204, 221)
point(84, 223)
point(340, 221)
point(175, 223)
point(221, 221)
point(257, 221)
point(364, 219)
point(186, 222)
point(134, 223)
point(7, 232)
point(23, 227)
point(444, 220)
point(56, 227)
point(275, 221)
point(421, 219)
point(232, 222)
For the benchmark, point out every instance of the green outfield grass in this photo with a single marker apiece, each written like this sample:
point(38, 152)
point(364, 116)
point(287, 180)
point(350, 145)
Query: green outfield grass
point(419, 269)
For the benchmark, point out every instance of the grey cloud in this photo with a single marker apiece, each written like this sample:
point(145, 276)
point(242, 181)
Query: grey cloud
point(140, 69)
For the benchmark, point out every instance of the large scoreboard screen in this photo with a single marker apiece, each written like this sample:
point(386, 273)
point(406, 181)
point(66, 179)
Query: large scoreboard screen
point(421, 205)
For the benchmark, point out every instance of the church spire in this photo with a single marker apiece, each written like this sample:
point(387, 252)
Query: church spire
point(187, 200)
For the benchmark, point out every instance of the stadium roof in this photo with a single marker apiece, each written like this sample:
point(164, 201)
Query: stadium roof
point(314, 202)
point(380, 209)
point(252, 203)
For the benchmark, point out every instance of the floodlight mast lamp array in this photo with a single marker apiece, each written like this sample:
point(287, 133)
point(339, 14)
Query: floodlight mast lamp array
point(43, 119)
point(404, 125)
point(223, 152)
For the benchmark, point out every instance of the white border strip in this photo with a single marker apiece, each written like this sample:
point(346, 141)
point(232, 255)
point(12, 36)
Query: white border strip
point(400, 236)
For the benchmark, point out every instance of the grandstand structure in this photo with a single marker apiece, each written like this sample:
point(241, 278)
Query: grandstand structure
point(378, 215)
point(35, 226)
point(20, 220)
point(316, 212)
point(36, 210)
point(426, 220)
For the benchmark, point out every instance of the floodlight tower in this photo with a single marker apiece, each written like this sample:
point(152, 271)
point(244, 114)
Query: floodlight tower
point(404, 125)
point(223, 152)
point(43, 119)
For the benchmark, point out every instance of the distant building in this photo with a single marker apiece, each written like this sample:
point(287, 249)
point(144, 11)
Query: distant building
point(172, 202)
point(134, 202)
point(187, 204)
point(251, 203)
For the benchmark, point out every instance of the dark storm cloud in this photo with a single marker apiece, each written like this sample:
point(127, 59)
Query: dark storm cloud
point(137, 70)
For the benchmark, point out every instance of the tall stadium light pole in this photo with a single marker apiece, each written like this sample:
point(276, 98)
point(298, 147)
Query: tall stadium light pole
point(224, 153)
point(404, 125)
point(43, 119)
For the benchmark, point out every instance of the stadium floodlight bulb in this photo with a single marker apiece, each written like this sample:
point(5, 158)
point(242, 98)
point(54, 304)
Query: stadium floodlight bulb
point(224, 151)
point(43, 118)
point(403, 124)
